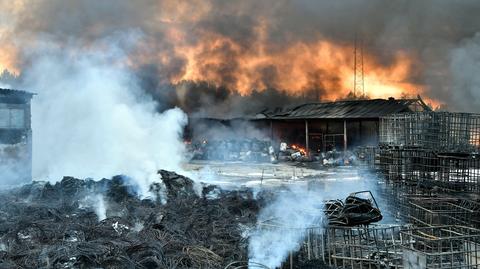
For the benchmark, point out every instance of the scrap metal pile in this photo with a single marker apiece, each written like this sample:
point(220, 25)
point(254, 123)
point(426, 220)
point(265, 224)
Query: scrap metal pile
point(354, 211)
point(247, 150)
point(55, 226)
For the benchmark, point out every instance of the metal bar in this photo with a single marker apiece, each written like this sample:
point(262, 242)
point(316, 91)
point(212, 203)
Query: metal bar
point(307, 138)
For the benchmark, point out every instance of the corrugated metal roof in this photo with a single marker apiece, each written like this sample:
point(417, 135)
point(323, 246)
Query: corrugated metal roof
point(373, 108)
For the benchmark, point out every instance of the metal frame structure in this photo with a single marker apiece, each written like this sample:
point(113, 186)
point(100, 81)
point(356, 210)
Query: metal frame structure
point(441, 247)
point(374, 246)
point(436, 131)
point(435, 211)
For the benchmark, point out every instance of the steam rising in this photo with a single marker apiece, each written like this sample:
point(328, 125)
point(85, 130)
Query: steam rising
point(91, 119)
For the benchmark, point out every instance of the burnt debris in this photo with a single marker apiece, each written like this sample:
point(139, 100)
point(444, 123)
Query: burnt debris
point(45, 225)
point(247, 150)
point(354, 211)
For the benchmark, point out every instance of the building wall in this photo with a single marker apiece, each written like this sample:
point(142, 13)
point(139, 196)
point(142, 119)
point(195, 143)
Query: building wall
point(15, 141)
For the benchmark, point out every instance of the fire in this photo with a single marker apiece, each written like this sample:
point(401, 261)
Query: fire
point(190, 49)
point(303, 151)
point(322, 65)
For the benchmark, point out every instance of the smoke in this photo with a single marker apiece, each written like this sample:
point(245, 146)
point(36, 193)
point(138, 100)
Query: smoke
point(238, 130)
point(294, 211)
point(294, 46)
point(465, 66)
point(90, 118)
point(13, 162)
point(97, 203)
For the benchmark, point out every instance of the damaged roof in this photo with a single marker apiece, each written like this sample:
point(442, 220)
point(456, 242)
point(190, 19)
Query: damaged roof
point(350, 109)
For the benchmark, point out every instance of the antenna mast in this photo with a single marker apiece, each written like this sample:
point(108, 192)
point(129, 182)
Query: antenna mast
point(358, 82)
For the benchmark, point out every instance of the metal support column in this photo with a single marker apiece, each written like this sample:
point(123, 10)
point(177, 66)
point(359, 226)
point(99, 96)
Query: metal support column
point(344, 135)
point(271, 130)
point(307, 148)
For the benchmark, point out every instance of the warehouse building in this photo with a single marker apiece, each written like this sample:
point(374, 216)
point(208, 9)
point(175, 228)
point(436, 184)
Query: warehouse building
point(323, 126)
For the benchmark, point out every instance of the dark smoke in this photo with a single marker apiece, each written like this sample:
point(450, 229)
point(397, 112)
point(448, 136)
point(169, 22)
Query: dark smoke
point(434, 32)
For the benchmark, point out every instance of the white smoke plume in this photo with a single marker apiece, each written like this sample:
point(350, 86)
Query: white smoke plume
point(293, 211)
point(100, 208)
point(97, 203)
point(90, 119)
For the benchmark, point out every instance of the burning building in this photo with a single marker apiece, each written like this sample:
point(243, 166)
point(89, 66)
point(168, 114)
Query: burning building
point(321, 127)
point(336, 125)
point(15, 137)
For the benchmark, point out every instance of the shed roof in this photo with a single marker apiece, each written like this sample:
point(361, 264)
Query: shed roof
point(351, 109)
point(15, 96)
point(10, 92)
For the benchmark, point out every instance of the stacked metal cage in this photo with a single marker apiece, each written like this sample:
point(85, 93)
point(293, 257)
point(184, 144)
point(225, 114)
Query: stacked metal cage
point(439, 150)
point(441, 247)
point(388, 246)
point(430, 162)
point(438, 131)
point(374, 246)
point(436, 211)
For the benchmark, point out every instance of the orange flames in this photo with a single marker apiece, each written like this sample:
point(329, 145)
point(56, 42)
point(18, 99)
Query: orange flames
point(187, 52)
point(299, 149)
point(323, 66)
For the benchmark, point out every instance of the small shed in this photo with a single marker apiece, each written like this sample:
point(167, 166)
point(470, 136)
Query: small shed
point(15, 137)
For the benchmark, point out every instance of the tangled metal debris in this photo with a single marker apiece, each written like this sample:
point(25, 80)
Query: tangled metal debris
point(354, 211)
point(45, 225)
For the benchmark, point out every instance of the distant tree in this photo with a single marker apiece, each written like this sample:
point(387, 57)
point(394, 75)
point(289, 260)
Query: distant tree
point(8, 78)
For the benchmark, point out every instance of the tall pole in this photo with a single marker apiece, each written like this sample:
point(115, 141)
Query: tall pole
point(355, 67)
point(345, 135)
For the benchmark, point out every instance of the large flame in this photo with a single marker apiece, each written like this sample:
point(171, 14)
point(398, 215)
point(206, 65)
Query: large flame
point(321, 65)
point(187, 52)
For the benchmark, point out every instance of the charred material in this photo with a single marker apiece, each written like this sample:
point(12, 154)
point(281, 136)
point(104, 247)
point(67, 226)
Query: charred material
point(354, 211)
point(58, 226)
point(248, 150)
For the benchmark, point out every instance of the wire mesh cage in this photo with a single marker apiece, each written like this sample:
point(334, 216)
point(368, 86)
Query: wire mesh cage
point(431, 211)
point(459, 172)
point(374, 246)
point(438, 131)
point(407, 164)
point(405, 129)
point(441, 247)
point(450, 172)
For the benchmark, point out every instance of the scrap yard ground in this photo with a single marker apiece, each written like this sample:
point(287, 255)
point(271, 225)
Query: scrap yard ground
point(330, 182)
